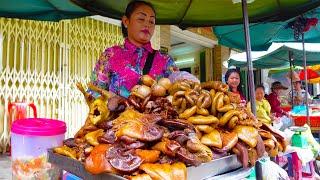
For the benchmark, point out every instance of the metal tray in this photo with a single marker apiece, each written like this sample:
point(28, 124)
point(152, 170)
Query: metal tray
point(77, 168)
point(213, 168)
point(204, 171)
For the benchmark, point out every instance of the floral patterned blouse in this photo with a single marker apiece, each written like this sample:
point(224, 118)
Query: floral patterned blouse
point(119, 68)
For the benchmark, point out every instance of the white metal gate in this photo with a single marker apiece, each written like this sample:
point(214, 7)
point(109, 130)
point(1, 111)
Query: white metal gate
point(40, 62)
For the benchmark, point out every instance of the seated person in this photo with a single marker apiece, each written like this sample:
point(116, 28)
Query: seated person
point(263, 107)
point(280, 115)
point(299, 94)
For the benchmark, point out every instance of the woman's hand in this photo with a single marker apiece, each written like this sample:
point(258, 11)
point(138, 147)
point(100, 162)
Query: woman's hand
point(274, 118)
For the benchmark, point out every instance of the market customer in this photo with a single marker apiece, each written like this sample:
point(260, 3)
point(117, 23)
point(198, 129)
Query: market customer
point(299, 94)
point(263, 107)
point(273, 98)
point(119, 68)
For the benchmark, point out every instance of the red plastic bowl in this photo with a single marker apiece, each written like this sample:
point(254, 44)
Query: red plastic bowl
point(286, 108)
point(302, 120)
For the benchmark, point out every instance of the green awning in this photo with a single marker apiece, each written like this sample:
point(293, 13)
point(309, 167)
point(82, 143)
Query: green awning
point(184, 13)
point(263, 34)
point(278, 56)
point(187, 13)
point(46, 10)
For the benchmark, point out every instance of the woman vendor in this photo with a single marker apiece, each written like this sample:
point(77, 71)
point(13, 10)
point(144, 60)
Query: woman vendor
point(262, 106)
point(232, 78)
point(119, 68)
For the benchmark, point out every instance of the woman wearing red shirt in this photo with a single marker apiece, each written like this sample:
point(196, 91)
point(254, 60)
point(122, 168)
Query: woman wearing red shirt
point(281, 116)
point(274, 100)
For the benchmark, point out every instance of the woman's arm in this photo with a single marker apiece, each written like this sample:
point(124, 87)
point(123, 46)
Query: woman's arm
point(170, 67)
point(275, 104)
point(267, 106)
point(100, 76)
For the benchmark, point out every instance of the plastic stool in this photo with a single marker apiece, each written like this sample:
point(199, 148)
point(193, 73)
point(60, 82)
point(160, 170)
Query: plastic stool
point(295, 168)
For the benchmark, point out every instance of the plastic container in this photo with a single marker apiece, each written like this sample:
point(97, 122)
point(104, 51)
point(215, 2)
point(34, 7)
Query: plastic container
point(302, 120)
point(286, 108)
point(30, 140)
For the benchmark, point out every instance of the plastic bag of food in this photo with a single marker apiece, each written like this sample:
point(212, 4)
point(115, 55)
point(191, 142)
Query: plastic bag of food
point(181, 75)
point(272, 171)
point(314, 145)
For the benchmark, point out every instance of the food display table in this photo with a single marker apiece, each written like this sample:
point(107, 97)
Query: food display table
point(204, 171)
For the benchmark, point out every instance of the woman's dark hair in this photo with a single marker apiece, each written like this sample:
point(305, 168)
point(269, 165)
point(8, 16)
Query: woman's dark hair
point(131, 7)
point(228, 73)
point(260, 86)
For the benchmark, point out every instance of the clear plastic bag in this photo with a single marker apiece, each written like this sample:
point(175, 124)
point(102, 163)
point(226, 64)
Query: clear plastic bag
point(272, 171)
point(181, 75)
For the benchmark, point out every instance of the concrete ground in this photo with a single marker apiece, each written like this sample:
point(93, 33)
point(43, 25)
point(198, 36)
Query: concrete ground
point(5, 167)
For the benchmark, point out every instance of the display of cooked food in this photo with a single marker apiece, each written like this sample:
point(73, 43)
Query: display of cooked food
point(162, 128)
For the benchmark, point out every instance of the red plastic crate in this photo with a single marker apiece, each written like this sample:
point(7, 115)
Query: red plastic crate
point(302, 120)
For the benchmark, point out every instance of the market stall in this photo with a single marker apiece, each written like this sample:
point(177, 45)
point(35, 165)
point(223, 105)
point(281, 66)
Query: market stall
point(220, 125)
point(143, 135)
point(279, 55)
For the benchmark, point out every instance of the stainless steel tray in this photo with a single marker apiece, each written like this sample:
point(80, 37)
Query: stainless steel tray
point(204, 171)
point(75, 167)
point(213, 168)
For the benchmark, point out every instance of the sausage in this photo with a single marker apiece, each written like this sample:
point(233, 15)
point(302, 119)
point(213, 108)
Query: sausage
point(227, 116)
point(226, 108)
point(178, 86)
point(188, 94)
point(200, 100)
point(224, 88)
point(188, 112)
point(177, 102)
point(219, 104)
point(212, 93)
point(183, 106)
point(214, 103)
point(207, 101)
point(203, 120)
point(226, 100)
point(233, 122)
point(202, 111)
point(186, 83)
point(204, 100)
point(197, 87)
point(207, 85)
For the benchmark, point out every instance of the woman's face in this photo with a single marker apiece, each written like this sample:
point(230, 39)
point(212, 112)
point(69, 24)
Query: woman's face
point(140, 25)
point(297, 86)
point(259, 94)
point(234, 80)
point(277, 91)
